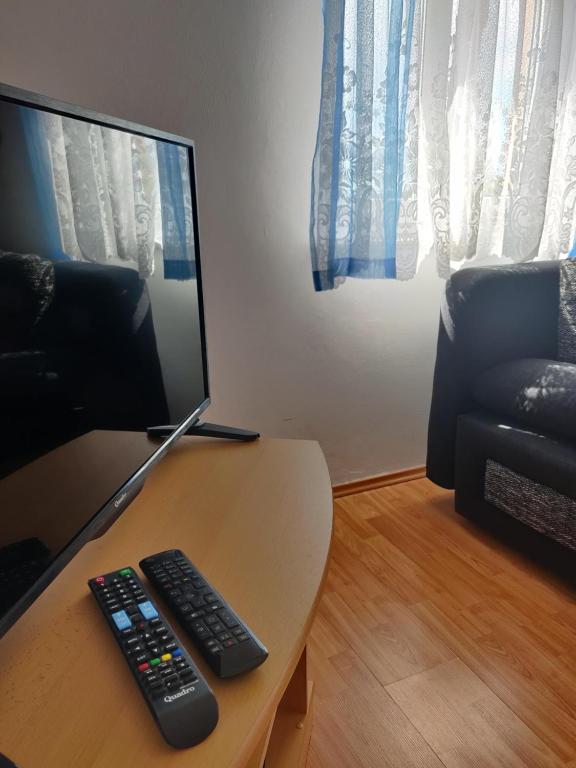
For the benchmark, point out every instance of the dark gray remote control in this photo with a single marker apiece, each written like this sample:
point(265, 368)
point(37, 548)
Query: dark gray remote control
point(176, 693)
point(226, 643)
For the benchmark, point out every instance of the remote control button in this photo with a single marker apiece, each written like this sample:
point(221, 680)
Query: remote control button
point(241, 638)
point(142, 657)
point(132, 641)
point(218, 628)
point(100, 580)
point(200, 630)
point(147, 610)
point(155, 622)
point(224, 636)
point(168, 672)
point(211, 620)
point(154, 662)
point(176, 653)
point(143, 667)
point(238, 631)
point(121, 620)
point(128, 632)
point(149, 673)
point(186, 608)
point(166, 656)
point(113, 606)
point(195, 615)
point(125, 572)
point(170, 646)
point(227, 618)
point(179, 600)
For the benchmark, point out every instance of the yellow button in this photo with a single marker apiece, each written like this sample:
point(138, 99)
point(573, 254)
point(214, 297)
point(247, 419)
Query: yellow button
point(166, 657)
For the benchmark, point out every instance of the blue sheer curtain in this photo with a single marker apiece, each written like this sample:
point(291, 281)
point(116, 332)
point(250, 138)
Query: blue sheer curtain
point(177, 225)
point(43, 183)
point(363, 218)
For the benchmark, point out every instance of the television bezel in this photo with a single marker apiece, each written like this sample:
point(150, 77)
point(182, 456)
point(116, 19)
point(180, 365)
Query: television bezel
point(117, 503)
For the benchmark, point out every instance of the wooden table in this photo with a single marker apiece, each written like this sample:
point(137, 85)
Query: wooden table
point(257, 519)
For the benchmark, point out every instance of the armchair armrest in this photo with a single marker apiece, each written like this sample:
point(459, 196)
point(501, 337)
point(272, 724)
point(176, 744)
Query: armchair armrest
point(489, 315)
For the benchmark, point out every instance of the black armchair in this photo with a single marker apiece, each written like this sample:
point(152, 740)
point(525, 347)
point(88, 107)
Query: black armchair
point(502, 429)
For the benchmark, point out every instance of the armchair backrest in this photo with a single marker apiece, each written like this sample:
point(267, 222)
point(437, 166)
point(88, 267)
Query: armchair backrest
point(490, 315)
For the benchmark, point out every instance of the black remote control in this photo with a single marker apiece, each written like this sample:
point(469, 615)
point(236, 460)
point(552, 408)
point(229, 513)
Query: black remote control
point(178, 696)
point(226, 643)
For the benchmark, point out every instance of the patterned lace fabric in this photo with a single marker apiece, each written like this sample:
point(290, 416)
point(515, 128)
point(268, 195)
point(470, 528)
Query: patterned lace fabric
point(446, 128)
point(118, 197)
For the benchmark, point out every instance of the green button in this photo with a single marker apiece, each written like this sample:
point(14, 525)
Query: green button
point(154, 662)
point(126, 572)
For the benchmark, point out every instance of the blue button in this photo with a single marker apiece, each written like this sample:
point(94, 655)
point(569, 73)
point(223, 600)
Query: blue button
point(121, 620)
point(176, 653)
point(147, 610)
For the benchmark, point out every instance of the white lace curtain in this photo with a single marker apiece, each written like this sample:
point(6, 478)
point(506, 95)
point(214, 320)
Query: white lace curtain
point(446, 127)
point(107, 192)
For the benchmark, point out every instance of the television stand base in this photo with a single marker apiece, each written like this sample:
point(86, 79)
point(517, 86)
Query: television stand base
point(204, 429)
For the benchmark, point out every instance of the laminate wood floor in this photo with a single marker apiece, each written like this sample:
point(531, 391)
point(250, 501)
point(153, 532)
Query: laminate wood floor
point(437, 645)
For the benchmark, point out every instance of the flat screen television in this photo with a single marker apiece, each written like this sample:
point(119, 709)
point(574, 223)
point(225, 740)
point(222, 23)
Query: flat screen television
point(101, 326)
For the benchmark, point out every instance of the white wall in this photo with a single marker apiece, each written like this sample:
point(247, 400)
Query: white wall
point(351, 368)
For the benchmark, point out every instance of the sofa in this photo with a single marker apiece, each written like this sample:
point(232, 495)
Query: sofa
point(502, 427)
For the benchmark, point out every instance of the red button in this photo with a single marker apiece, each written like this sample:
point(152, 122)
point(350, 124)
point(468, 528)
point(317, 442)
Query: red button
point(144, 667)
point(100, 580)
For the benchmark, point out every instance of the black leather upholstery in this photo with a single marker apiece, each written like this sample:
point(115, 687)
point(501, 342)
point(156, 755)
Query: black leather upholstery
point(539, 394)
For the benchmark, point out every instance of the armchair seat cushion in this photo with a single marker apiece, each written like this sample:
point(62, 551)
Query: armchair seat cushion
point(535, 393)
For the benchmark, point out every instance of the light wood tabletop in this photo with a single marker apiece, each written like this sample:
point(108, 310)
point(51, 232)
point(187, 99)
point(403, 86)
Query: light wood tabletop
point(256, 519)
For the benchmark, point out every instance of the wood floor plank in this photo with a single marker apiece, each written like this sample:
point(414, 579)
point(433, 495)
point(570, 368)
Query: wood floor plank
point(352, 730)
point(475, 643)
point(394, 645)
point(465, 722)
point(512, 678)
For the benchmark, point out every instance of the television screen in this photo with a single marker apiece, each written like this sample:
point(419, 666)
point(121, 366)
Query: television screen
point(101, 323)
